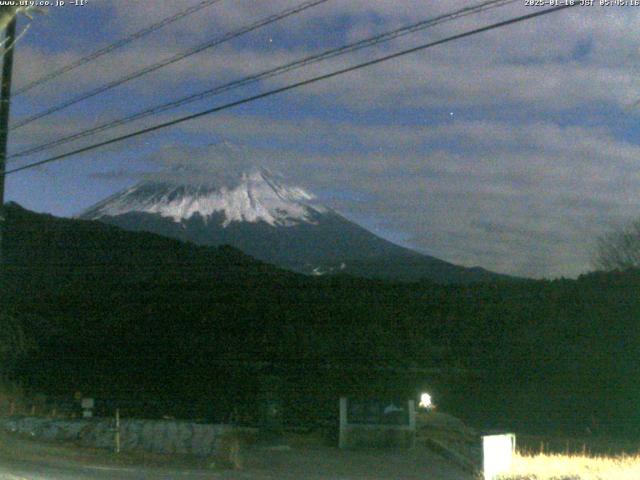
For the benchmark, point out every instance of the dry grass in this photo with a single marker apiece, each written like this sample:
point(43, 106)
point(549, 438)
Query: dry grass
point(574, 467)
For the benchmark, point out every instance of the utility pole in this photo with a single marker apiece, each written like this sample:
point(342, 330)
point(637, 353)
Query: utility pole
point(5, 103)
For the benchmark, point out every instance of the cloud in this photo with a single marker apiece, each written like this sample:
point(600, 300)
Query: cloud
point(531, 168)
point(514, 66)
point(525, 199)
point(115, 175)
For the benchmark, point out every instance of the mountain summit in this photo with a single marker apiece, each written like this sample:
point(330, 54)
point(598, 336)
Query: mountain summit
point(254, 196)
point(255, 211)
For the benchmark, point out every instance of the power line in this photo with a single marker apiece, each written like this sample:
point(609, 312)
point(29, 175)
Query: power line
point(327, 54)
point(293, 86)
point(176, 58)
point(116, 45)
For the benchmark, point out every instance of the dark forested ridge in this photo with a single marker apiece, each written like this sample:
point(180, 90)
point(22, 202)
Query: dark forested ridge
point(117, 312)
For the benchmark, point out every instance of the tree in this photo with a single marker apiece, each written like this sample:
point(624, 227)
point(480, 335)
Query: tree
point(619, 249)
point(14, 344)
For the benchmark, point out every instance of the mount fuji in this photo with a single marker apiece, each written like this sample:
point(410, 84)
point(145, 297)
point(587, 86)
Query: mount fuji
point(256, 212)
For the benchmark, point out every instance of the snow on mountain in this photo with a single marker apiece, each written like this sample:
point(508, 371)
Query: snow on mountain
point(250, 197)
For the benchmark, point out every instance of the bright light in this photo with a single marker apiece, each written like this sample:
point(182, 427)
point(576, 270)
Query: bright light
point(425, 401)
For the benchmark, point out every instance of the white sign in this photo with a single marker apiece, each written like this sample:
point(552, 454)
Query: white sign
point(497, 454)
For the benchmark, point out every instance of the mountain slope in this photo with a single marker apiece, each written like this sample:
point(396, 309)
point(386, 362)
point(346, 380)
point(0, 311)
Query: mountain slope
point(257, 213)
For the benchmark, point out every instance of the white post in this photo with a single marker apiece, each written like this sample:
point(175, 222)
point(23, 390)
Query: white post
point(412, 414)
point(117, 430)
point(412, 421)
point(342, 443)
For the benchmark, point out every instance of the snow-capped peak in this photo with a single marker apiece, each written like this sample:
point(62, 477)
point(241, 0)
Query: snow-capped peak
point(252, 196)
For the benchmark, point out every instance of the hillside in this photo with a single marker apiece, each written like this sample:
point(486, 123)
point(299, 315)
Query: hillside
point(113, 310)
point(132, 314)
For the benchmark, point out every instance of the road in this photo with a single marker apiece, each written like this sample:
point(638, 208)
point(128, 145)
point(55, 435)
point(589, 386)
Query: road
point(24, 471)
point(30, 470)
point(22, 459)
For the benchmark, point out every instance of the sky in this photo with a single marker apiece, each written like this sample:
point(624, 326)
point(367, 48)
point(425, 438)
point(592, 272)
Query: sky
point(513, 150)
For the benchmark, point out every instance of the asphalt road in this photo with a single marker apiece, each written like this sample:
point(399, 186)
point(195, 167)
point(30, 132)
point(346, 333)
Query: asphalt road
point(22, 459)
point(22, 470)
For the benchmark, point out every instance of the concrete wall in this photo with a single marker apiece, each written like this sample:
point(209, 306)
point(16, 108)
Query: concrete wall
point(160, 436)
